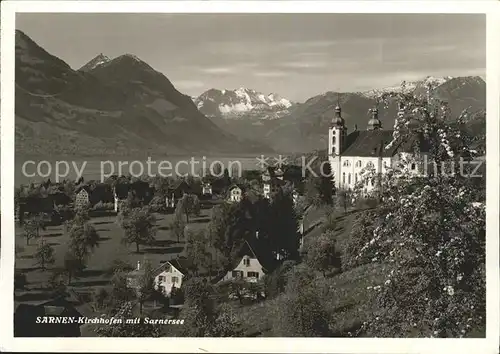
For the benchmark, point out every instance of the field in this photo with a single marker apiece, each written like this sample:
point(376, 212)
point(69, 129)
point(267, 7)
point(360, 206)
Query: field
point(110, 248)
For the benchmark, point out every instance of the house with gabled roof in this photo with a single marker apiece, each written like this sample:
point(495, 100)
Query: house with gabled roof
point(235, 193)
point(167, 275)
point(251, 263)
point(53, 318)
point(82, 197)
point(351, 155)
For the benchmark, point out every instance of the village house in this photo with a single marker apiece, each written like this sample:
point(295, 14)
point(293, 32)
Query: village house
point(207, 189)
point(170, 274)
point(251, 263)
point(167, 276)
point(235, 193)
point(275, 179)
point(351, 155)
point(82, 197)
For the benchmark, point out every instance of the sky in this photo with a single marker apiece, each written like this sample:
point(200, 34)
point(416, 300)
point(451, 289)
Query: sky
point(294, 55)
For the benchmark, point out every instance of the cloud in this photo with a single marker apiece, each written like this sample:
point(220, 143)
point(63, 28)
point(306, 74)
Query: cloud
point(270, 74)
point(217, 70)
point(304, 64)
point(247, 65)
point(310, 43)
point(310, 54)
point(188, 84)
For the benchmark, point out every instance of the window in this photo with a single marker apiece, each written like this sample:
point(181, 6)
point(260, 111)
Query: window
point(237, 274)
point(413, 166)
point(175, 280)
point(253, 275)
point(333, 150)
point(343, 177)
point(161, 278)
point(347, 163)
point(349, 178)
point(334, 140)
point(358, 163)
point(355, 178)
point(246, 261)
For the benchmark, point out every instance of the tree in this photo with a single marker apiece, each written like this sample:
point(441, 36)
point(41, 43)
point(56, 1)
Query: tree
point(82, 215)
point(44, 254)
point(283, 227)
point(430, 231)
point(73, 265)
point(57, 282)
point(226, 324)
point(100, 297)
point(189, 204)
point(199, 312)
point(343, 199)
point(145, 284)
point(330, 223)
point(196, 249)
point(120, 292)
point(139, 227)
point(226, 178)
point(301, 311)
point(319, 187)
point(275, 283)
point(32, 227)
point(29, 231)
point(177, 226)
point(322, 254)
point(83, 239)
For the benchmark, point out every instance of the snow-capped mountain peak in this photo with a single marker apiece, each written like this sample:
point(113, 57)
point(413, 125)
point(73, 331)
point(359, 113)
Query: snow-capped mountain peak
point(242, 101)
point(98, 60)
point(409, 86)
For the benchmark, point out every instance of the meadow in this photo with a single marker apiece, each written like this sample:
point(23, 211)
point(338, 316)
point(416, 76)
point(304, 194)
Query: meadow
point(164, 248)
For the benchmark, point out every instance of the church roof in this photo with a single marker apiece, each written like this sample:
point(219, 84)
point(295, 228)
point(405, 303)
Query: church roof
point(366, 143)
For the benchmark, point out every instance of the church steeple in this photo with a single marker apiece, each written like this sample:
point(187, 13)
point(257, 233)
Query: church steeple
point(374, 123)
point(336, 133)
point(337, 118)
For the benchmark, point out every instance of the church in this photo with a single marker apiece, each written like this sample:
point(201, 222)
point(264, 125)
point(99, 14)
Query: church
point(350, 155)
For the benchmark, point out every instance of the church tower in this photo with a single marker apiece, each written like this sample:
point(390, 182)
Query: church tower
point(374, 123)
point(336, 143)
point(336, 133)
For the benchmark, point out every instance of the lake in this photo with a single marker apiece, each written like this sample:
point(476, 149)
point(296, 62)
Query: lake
point(37, 169)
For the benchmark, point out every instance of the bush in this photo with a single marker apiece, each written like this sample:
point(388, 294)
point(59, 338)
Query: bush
point(275, 282)
point(322, 254)
point(361, 234)
point(301, 311)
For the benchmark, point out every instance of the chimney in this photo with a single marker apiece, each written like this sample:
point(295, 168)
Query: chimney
point(138, 265)
point(355, 127)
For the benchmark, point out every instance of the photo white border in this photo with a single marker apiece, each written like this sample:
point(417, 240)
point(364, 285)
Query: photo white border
point(256, 345)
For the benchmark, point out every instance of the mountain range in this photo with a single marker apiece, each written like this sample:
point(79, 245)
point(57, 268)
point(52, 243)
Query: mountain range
point(242, 103)
point(119, 106)
point(303, 127)
point(123, 106)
